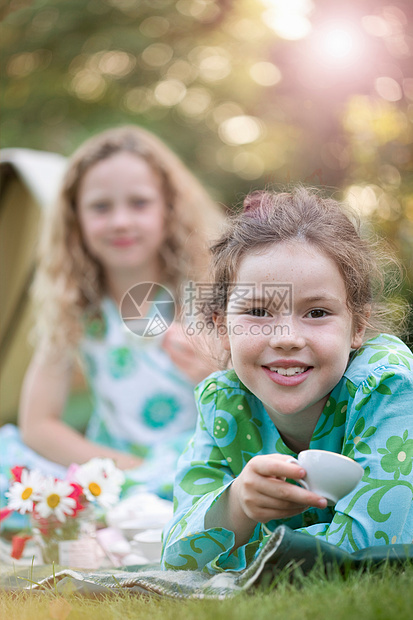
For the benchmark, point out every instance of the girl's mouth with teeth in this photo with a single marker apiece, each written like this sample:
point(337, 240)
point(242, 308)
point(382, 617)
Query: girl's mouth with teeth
point(289, 372)
point(288, 376)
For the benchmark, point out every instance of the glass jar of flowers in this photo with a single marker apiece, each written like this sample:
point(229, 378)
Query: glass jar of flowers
point(63, 512)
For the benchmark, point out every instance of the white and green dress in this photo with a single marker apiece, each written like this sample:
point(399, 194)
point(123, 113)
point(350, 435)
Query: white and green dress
point(368, 417)
point(143, 405)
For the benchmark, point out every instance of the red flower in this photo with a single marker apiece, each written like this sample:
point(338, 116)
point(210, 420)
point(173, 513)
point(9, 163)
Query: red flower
point(18, 544)
point(4, 513)
point(17, 473)
point(77, 495)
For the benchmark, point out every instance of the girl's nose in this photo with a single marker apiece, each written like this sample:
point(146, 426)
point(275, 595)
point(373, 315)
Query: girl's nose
point(287, 336)
point(120, 216)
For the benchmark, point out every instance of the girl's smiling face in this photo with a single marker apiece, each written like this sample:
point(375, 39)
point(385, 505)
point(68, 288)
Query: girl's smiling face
point(290, 357)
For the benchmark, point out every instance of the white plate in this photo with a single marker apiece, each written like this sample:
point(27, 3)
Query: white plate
point(140, 512)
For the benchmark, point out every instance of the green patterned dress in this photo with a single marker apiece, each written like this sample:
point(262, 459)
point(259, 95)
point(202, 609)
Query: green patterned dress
point(368, 417)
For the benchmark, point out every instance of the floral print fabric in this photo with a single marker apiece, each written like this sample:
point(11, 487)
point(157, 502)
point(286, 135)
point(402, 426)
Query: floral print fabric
point(368, 417)
point(144, 405)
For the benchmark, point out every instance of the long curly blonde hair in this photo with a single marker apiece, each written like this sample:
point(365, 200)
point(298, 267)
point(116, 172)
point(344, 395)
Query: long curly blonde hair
point(69, 280)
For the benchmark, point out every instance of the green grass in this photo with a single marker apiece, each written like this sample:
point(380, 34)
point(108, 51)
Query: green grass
point(385, 594)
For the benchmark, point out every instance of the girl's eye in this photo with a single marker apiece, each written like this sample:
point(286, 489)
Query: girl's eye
point(139, 203)
point(100, 207)
point(317, 313)
point(259, 312)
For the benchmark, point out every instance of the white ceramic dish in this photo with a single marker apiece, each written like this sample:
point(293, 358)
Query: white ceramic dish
point(138, 513)
point(329, 474)
point(148, 544)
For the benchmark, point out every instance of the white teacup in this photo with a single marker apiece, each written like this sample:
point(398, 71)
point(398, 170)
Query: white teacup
point(329, 474)
point(149, 543)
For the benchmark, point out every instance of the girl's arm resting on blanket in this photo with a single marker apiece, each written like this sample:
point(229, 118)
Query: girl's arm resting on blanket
point(45, 390)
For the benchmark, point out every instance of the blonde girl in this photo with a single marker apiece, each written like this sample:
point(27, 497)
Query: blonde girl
point(294, 303)
point(129, 212)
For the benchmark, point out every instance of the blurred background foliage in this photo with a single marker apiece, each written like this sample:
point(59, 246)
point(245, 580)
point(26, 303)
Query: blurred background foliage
point(248, 92)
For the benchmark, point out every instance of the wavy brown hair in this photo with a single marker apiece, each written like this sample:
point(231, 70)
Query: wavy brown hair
point(68, 279)
point(305, 215)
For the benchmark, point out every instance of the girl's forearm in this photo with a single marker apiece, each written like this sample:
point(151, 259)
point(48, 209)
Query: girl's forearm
point(58, 442)
point(227, 512)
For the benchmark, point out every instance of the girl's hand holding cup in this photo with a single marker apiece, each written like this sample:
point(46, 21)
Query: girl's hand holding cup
point(263, 493)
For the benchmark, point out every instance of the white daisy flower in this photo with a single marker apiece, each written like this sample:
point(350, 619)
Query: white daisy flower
point(101, 481)
point(23, 494)
point(54, 500)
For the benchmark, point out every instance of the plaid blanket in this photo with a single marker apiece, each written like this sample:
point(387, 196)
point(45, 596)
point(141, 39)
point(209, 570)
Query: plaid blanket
point(285, 551)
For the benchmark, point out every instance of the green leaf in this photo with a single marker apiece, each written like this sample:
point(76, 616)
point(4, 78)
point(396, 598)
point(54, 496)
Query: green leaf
point(383, 451)
point(404, 360)
point(359, 427)
point(393, 359)
point(351, 388)
point(362, 402)
point(363, 447)
point(391, 338)
point(377, 356)
point(386, 375)
point(370, 431)
point(384, 389)
point(372, 381)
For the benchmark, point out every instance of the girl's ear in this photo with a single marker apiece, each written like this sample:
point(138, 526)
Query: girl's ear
point(360, 329)
point(358, 338)
point(222, 330)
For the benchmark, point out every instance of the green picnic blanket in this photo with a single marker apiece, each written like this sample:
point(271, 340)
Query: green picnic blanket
point(285, 550)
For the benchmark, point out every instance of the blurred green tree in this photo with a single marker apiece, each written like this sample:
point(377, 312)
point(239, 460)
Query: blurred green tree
point(247, 92)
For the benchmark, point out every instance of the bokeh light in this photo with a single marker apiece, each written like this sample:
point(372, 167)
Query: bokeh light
point(249, 93)
point(240, 130)
point(265, 73)
point(388, 89)
point(213, 63)
point(288, 18)
point(154, 26)
point(337, 44)
point(196, 102)
point(157, 54)
point(170, 92)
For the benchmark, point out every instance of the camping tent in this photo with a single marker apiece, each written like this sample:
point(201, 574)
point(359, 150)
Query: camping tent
point(29, 182)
